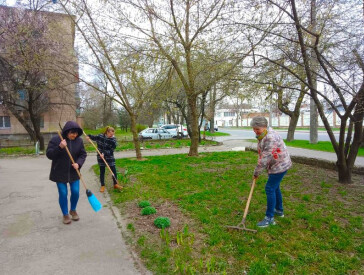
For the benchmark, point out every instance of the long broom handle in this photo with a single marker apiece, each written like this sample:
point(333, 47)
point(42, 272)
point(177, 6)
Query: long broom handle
point(100, 154)
point(73, 162)
point(249, 198)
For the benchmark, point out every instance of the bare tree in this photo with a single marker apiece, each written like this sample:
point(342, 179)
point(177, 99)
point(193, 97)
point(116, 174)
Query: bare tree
point(98, 110)
point(131, 75)
point(31, 51)
point(283, 89)
point(336, 44)
point(180, 32)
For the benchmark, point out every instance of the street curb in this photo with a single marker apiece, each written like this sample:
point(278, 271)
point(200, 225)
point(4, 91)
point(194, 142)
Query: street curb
point(122, 225)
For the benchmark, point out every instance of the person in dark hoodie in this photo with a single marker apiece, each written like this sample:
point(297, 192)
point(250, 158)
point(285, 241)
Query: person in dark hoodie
point(62, 169)
point(106, 144)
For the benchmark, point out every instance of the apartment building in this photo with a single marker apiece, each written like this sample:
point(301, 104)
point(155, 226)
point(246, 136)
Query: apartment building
point(59, 102)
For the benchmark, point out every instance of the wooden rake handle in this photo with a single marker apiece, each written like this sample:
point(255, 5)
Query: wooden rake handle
point(73, 162)
point(89, 139)
point(249, 199)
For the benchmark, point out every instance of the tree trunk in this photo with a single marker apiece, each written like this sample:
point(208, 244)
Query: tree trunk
point(135, 137)
point(314, 65)
point(313, 122)
point(194, 125)
point(292, 127)
point(344, 172)
point(212, 109)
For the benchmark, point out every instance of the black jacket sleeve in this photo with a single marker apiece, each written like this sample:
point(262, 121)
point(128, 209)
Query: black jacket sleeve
point(53, 148)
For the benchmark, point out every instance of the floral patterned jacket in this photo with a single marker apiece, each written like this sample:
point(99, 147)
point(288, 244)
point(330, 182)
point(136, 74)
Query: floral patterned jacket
point(272, 154)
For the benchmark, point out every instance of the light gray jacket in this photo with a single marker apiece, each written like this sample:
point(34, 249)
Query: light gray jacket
point(272, 154)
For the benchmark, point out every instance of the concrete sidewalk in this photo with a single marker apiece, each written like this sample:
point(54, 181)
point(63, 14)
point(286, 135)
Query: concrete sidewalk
point(34, 240)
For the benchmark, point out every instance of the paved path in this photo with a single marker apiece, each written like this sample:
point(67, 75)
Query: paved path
point(33, 239)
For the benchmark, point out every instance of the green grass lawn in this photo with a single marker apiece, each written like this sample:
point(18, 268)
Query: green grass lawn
point(119, 134)
point(286, 128)
point(30, 150)
point(215, 134)
point(322, 232)
point(153, 144)
point(325, 146)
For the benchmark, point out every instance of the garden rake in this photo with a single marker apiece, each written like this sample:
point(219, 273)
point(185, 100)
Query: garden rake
point(114, 179)
point(241, 225)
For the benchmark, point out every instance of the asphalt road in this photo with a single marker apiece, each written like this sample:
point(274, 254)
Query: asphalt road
point(249, 134)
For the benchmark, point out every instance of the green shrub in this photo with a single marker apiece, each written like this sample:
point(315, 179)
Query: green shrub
point(140, 127)
point(143, 204)
point(162, 222)
point(149, 210)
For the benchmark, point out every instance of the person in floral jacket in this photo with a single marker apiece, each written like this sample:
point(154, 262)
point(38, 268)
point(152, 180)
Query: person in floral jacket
point(272, 156)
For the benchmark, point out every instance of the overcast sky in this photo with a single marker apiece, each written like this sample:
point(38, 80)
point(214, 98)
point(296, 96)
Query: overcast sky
point(10, 2)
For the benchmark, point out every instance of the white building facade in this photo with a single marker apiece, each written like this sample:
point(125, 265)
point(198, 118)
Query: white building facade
point(230, 118)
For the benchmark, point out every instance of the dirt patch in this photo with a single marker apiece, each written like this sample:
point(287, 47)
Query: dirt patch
point(146, 223)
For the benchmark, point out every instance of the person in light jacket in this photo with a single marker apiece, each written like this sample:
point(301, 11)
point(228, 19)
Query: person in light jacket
point(272, 156)
point(62, 169)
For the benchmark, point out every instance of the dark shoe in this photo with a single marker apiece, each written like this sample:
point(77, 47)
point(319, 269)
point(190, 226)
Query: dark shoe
point(266, 222)
point(66, 219)
point(102, 189)
point(74, 215)
point(117, 186)
point(278, 213)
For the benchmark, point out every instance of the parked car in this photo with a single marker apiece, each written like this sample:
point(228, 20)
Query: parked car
point(155, 133)
point(173, 128)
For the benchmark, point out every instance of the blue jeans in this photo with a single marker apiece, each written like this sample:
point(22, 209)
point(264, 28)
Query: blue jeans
point(63, 194)
point(274, 195)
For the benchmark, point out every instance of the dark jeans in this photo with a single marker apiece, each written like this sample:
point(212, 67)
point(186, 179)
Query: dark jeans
point(274, 195)
point(102, 174)
point(63, 194)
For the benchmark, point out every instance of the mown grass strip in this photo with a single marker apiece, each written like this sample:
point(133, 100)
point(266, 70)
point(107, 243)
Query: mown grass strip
point(325, 146)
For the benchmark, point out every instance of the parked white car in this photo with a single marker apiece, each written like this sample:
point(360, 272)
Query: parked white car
point(155, 133)
point(176, 129)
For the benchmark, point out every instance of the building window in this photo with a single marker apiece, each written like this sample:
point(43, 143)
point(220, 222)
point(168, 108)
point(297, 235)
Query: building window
point(41, 122)
point(21, 94)
point(226, 114)
point(4, 122)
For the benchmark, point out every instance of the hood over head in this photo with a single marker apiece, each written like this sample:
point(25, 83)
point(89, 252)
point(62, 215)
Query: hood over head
point(71, 125)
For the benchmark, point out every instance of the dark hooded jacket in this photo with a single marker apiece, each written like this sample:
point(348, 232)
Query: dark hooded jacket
point(62, 169)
